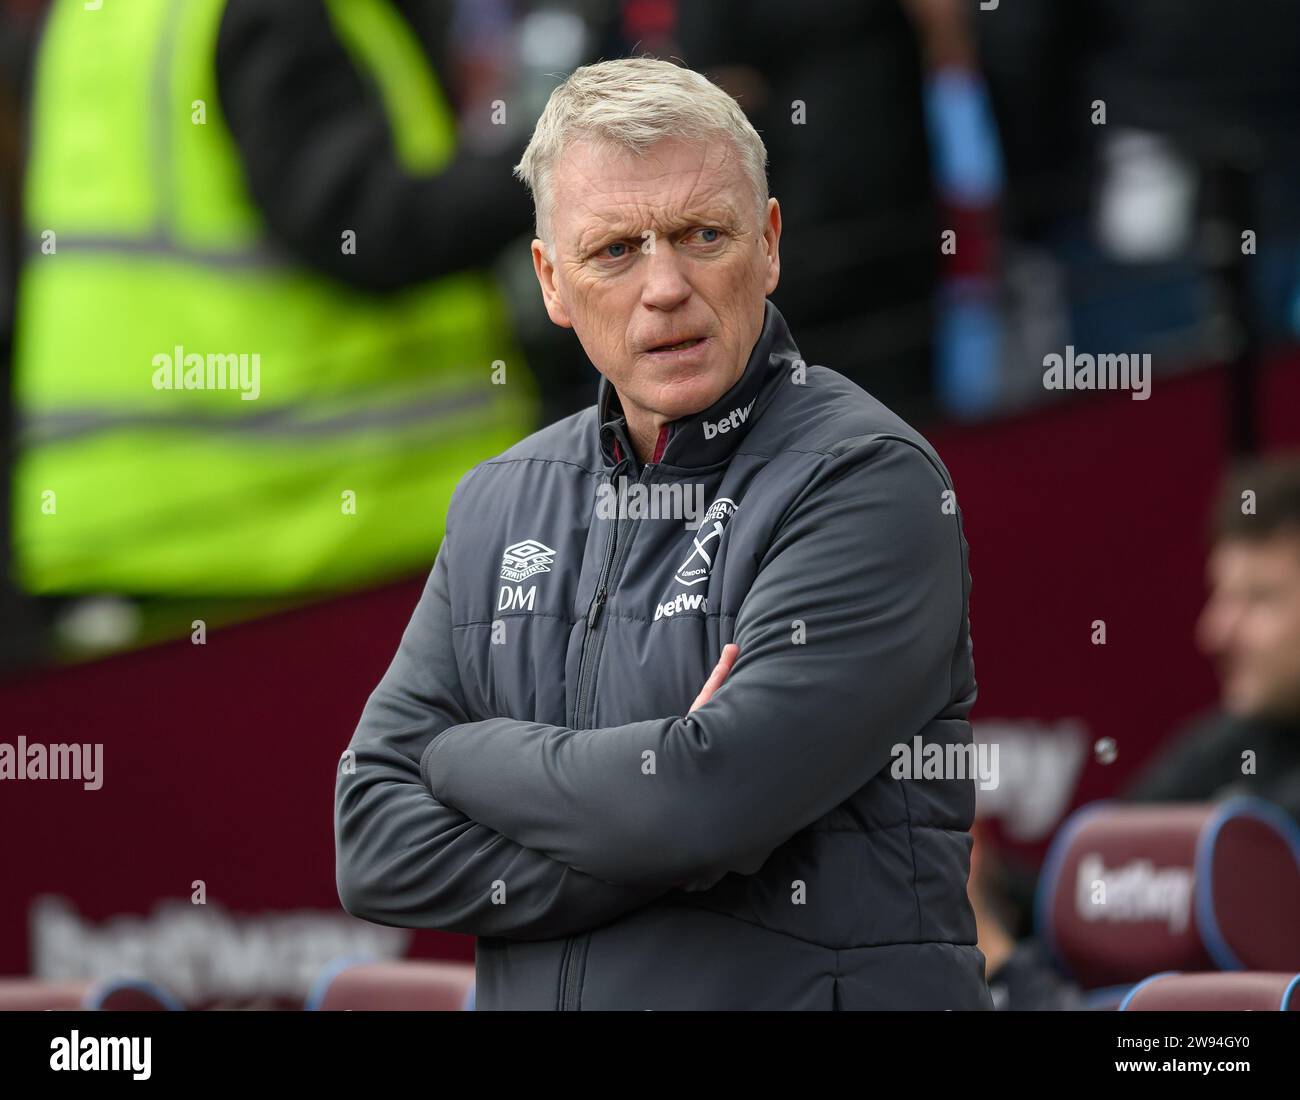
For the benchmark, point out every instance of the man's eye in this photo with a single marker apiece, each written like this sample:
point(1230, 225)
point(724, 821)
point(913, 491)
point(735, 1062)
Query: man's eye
point(717, 235)
point(609, 250)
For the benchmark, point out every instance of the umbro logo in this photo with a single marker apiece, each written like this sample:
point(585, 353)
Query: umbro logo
point(522, 559)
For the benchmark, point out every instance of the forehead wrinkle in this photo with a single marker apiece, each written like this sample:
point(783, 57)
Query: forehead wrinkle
point(617, 227)
point(614, 223)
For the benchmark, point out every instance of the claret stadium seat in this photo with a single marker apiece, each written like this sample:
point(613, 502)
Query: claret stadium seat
point(1250, 991)
point(112, 995)
point(392, 987)
point(1130, 890)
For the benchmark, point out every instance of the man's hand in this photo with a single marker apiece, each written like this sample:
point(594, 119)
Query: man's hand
point(729, 654)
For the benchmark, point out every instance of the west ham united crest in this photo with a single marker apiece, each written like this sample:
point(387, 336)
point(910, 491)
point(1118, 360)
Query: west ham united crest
point(696, 568)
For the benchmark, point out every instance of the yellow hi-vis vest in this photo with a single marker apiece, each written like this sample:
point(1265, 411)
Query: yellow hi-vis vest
point(197, 413)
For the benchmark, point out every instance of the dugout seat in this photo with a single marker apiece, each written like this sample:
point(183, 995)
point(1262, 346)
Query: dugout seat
point(1250, 991)
point(1132, 890)
point(392, 987)
point(112, 995)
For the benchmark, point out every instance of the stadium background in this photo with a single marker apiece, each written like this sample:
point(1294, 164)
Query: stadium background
point(219, 759)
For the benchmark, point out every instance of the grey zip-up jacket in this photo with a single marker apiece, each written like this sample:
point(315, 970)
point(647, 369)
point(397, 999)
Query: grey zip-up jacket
point(526, 771)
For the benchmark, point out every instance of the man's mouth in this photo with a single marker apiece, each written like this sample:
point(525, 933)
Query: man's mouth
point(679, 346)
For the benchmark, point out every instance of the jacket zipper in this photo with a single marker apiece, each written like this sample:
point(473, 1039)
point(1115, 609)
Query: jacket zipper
point(574, 958)
point(597, 603)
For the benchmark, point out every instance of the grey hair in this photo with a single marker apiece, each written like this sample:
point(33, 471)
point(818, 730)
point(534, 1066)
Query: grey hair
point(635, 102)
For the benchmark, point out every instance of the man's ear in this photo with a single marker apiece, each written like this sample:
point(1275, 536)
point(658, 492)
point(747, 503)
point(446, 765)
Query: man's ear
point(771, 241)
point(545, 270)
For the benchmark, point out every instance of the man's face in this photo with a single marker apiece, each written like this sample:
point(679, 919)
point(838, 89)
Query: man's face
point(1251, 624)
point(653, 250)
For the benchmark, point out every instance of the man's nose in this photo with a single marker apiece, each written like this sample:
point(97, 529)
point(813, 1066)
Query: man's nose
point(666, 285)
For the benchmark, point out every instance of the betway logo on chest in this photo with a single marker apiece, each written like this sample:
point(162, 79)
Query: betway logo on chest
point(684, 601)
point(733, 419)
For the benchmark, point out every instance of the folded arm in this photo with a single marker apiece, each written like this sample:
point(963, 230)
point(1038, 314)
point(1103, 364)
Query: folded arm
point(404, 858)
point(847, 640)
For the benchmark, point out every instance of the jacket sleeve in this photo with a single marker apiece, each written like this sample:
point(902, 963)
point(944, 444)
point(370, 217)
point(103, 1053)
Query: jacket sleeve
point(848, 646)
point(402, 857)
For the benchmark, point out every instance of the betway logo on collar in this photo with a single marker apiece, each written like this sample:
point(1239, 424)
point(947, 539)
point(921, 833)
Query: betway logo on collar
point(722, 425)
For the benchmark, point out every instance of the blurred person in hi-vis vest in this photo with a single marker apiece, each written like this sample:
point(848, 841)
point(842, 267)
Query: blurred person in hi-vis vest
point(256, 341)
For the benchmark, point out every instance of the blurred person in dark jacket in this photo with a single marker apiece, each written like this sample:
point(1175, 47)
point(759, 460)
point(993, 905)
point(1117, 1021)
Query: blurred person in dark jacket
point(18, 20)
point(837, 90)
point(1202, 73)
point(1250, 628)
point(1128, 131)
point(1249, 745)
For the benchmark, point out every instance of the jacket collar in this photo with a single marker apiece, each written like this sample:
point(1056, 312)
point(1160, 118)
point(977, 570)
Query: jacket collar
point(711, 435)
